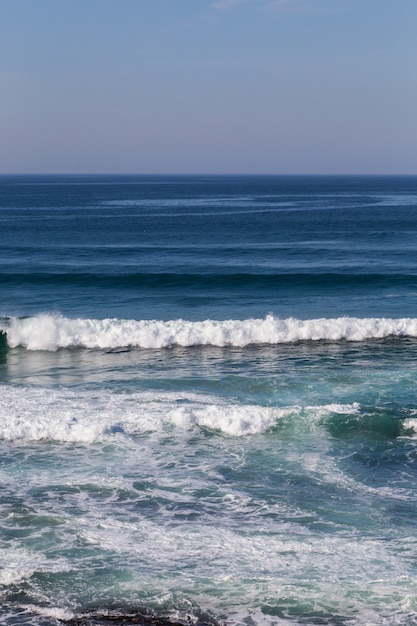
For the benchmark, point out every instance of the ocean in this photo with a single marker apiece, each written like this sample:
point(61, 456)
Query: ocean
point(208, 409)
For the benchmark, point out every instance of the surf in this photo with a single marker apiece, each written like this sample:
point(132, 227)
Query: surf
point(49, 332)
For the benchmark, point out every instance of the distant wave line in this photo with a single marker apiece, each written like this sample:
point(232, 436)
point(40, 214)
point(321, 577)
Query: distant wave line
point(203, 280)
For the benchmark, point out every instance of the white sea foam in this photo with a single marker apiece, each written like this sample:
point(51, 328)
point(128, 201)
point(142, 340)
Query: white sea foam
point(36, 413)
point(17, 564)
point(334, 407)
point(225, 565)
point(51, 332)
point(56, 613)
point(409, 426)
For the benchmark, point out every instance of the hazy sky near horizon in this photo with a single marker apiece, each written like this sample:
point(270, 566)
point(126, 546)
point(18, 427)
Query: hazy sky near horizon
point(208, 86)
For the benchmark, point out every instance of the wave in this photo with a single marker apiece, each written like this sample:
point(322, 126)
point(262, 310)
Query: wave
point(213, 279)
point(52, 332)
point(79, 416)
point(82, 416)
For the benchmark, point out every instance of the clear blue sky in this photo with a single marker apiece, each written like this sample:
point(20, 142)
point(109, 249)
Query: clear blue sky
point(208, 86)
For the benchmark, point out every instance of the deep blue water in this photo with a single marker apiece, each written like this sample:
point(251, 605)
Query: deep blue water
point(208, 399)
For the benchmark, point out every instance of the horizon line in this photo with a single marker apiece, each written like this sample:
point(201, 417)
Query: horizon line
point(209, 174)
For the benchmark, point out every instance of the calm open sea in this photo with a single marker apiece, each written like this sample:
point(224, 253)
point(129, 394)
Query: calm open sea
point(208, 399)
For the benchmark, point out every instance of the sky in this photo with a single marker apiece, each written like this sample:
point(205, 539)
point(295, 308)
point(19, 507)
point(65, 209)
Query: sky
point(208, 86)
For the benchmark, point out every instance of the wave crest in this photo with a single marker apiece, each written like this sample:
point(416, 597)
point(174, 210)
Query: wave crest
point(51, 332)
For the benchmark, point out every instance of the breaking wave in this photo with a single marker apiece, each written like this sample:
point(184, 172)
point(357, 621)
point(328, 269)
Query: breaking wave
point(37, 413)
point(52, 332)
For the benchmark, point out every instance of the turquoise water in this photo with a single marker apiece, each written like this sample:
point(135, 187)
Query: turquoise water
point(208, 399)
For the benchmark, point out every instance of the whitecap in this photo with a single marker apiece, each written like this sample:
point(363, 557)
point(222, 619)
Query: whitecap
point(51, 332)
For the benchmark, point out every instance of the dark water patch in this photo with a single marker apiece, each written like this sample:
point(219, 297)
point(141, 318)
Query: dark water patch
point(3, 347)
point(141, 617)
point(137, 618)
point(305, 613)
point(3, 337)
point(376, 423)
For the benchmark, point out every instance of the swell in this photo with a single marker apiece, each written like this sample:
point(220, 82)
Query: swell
point(53, 332)
point(207, 280)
